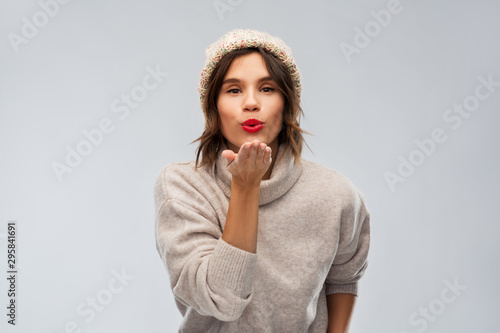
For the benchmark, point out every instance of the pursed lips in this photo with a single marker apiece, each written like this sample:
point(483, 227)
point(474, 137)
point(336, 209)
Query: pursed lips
point(252, 125)
point(252, 122)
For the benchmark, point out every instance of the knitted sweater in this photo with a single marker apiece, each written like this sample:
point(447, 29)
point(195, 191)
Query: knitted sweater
point(313, 240)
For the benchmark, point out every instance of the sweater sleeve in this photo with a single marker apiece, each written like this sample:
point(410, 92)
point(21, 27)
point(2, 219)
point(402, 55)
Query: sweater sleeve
point(350, 261)
point(206, 273)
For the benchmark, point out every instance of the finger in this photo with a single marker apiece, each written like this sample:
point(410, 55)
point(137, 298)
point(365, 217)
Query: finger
point(243, 152)
point(229, 155)
point(268, 155)
point(253, 151)
point(261, 152)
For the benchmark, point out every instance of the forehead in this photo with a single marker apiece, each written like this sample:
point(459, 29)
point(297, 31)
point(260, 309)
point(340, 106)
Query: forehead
point(247, 66)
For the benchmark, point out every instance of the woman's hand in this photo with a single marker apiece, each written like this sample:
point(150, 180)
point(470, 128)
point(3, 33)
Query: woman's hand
point(250, 164)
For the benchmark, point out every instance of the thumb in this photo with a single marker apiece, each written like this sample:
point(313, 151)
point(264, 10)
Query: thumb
point(229, 155)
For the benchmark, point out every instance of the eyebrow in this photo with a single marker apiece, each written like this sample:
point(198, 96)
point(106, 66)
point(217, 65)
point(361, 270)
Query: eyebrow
point(234, 80)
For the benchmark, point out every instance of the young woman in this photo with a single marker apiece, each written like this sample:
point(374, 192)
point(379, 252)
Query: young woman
point(254, 238)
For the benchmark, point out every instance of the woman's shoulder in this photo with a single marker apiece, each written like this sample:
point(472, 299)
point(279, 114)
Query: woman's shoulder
point(329, 178)
point(179, 176)
point(181, 168)
point(318, 171)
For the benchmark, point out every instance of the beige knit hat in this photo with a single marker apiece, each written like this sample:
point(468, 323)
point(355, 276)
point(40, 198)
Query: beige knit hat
point(240, 39)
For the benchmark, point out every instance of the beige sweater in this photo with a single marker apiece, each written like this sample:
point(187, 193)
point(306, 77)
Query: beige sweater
point(313, 240)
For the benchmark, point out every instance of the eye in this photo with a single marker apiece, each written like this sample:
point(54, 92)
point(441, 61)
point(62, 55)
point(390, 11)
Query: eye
point(233, 91)
point(268, 89)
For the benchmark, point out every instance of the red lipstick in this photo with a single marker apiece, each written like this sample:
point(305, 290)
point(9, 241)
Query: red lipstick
point(252, 125)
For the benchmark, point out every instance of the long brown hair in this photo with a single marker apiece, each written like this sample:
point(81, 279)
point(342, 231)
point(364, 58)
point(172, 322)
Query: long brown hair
point(291, 134)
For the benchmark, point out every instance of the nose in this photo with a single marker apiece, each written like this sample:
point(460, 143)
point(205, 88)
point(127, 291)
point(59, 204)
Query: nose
point(251, 102)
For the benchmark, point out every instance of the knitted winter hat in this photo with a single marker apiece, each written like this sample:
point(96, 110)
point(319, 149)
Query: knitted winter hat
point(240, 39)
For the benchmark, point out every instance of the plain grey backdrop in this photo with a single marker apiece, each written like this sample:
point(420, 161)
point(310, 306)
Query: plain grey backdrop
point(98, 96)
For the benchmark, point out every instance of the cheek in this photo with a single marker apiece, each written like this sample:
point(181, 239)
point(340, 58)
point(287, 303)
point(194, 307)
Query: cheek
point(224, 107)
point(225, 118)
point(280, 109)
point(279, 121)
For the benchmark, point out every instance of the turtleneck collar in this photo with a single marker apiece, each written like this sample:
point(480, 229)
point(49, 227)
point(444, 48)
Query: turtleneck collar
point(284, 174)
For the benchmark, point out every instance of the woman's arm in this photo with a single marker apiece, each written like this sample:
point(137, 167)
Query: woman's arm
point(340, 308)
point(349, 264)
point(205, 273)
point(242, 217)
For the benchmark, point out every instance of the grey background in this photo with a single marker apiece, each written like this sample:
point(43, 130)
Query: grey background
point(439, 226)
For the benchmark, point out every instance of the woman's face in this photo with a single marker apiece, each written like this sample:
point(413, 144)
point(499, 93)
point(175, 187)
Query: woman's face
point(248, 92)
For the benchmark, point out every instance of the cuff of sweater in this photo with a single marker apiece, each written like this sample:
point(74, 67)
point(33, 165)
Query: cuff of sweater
point(350, 288)
point(231, 268)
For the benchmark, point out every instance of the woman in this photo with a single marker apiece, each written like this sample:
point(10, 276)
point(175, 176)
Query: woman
point(254, 238)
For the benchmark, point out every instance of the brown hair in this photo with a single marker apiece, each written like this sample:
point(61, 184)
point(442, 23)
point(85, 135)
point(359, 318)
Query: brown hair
point(291, 134)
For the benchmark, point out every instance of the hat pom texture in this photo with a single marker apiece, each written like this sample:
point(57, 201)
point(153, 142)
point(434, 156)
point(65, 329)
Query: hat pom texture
point(244, 38)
